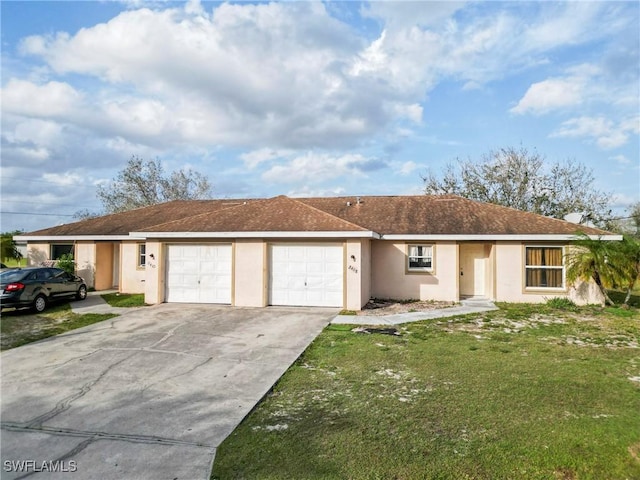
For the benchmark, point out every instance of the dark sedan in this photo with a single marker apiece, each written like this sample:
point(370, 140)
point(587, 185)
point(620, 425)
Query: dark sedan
point(35, 287)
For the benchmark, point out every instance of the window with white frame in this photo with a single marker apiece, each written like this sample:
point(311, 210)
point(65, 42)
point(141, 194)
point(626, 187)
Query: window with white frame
point(142, 255)
point(544, 267)
point(420, 258)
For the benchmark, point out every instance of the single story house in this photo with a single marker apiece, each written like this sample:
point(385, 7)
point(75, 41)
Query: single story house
point(330, 251)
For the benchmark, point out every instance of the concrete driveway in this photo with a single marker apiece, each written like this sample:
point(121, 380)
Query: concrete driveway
point(149, 395)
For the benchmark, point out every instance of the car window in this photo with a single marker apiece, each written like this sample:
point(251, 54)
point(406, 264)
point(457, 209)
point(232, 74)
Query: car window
point(12, 276)
point(58, 273)
point(44, 274)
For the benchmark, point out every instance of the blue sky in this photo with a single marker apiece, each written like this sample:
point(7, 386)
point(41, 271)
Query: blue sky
point(308, 98)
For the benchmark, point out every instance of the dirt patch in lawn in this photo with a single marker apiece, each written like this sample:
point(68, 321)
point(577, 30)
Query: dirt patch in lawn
point(378, 307)
point(19, 327)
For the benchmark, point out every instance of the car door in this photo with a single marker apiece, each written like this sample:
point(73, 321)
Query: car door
point(45, 277)
point(64, 283)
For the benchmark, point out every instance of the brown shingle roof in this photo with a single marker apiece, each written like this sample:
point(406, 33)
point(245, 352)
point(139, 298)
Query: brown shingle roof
point(125, 222)
point(278, 214)
point(441, 215)
point(386, 215)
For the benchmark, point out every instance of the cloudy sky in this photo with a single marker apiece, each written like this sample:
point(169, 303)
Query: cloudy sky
point(308, 98)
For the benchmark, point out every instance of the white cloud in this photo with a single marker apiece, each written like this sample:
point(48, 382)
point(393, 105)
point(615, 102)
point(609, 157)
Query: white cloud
point(27, 154)
point(567, 23)
point(63, 179)
point(244, 75)
point(289, 74)
point(408, 14)
point(408, 167)
point(53, 99)
point(316, 168)
point(307, 191)
point(621, 200)
point(605, 132)
point(372, 58)
point(412, 112)
point(255, 157)
point(621, 159)
point(581, 85)
point(551, 94)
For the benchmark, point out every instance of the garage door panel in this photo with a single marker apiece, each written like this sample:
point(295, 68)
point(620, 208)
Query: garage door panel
point(334, 255)
point(199, 273)
point(306, 275)
point(333, 285)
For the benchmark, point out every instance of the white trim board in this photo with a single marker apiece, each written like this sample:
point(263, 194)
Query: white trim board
point(186, 235)
point(74, 238)
point(515, 238)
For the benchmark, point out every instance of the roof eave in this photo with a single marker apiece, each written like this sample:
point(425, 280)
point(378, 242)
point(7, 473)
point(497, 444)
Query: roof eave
point(73, 238)
point(271, 234)
point(505, 237)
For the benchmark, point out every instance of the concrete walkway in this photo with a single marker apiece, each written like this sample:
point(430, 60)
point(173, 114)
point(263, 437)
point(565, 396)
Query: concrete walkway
point(474, 305)
point(94, 303)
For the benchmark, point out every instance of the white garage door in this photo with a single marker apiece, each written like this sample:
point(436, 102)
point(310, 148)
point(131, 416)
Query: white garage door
point(306, 275)
point(199, 273)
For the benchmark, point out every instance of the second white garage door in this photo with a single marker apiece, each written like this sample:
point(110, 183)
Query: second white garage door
point(199, 273)
point(306, 275)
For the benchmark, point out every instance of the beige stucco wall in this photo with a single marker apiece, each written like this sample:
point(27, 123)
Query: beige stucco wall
point(365, 273)
point(389, 278)
point(250, 273)
point(154, 284)
point(37, 253)
point(510, 281)
point(132, 278)
point(85, 258)
point(489, 271)
point(352, 275)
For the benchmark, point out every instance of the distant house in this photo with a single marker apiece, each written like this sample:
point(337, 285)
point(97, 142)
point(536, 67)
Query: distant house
point(331, 252)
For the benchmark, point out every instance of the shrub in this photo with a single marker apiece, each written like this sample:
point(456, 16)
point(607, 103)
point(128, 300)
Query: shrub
point(561, 303)
point(66, 263)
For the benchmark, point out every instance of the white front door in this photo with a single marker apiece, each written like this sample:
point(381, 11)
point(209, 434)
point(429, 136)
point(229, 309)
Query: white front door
point(472, 270)
point(198, 274)
point(306, 275)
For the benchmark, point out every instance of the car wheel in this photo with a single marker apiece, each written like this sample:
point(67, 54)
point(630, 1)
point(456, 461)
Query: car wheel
point(81, 293)
point(40, 303)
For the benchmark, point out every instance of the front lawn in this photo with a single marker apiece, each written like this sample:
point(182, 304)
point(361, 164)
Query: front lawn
point(12, 262)
point(126, 300)
point(527, 392)
point(19, 327)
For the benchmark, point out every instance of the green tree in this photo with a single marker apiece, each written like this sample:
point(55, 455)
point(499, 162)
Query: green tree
point(142, 183)
point(625, 260)
point(8, 247)
point(521, 179)
point(589, 259)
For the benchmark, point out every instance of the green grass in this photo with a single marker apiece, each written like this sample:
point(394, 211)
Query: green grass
point(19, 327)
point(527, 392)
point(12, 262)
point(124, 299)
